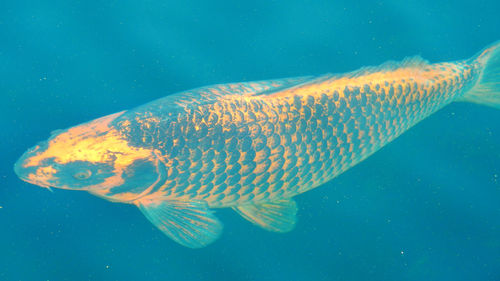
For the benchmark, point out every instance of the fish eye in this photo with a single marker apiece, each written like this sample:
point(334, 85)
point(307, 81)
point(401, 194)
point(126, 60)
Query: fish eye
point(82, 174)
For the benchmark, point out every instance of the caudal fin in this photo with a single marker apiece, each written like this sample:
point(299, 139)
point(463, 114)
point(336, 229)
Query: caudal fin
point(487, 89)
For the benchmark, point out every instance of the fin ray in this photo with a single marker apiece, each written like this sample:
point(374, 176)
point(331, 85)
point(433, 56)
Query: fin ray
point(277, 216)
point(190, 224)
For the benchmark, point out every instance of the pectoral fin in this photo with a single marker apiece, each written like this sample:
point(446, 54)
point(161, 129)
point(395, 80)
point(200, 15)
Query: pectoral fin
point(278, 216)
point(190, 224)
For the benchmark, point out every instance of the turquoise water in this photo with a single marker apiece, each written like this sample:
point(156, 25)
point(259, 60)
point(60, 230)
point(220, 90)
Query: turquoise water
point(426, 207)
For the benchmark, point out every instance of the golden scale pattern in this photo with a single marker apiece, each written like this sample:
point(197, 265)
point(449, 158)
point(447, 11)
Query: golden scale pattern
point(236, 143)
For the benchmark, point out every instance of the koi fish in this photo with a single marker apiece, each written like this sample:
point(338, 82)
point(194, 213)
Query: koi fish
point(251, 146)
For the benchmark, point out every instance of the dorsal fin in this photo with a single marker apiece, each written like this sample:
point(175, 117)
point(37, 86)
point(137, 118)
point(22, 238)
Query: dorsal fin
point(291, 86)
point(408, 62)
point(211, 93)
point(189, 223)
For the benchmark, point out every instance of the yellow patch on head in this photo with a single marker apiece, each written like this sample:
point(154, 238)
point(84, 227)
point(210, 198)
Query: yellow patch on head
point(94, 142)
point(42, 175)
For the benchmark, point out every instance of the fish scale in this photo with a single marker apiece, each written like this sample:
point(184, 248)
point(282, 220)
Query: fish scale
point(263, 147)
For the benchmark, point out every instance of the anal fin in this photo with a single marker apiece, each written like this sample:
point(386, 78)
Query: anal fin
point(190, 223)
point(277, 216)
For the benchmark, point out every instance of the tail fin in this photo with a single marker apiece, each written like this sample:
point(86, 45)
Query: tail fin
point(487, 89)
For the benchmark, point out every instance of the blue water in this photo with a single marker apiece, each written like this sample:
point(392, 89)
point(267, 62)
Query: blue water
point(426, 207)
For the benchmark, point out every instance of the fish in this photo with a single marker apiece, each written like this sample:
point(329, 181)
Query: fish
point(251, 146)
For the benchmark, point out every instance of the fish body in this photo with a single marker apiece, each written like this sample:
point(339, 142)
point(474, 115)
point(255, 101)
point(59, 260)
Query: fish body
point(248, 143)
point(251, 146)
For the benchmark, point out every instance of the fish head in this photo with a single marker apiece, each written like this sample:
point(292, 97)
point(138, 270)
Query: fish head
point(95, 157)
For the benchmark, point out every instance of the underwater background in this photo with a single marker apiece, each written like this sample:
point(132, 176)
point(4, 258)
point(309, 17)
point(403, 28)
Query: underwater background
point(425, 207)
